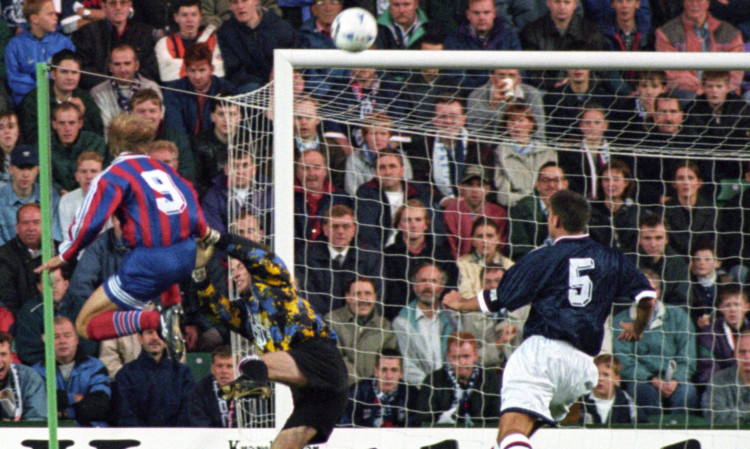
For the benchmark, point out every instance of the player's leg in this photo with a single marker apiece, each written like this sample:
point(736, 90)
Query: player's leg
point(97, 304)
point(294, 438)
point(515, 429)
point(101, 318)
point(283, 368)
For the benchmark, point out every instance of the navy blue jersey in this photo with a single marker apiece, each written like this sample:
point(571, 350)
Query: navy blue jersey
point(571, 286)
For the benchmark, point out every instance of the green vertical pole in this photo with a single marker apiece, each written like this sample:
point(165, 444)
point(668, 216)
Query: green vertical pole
point(45, 189)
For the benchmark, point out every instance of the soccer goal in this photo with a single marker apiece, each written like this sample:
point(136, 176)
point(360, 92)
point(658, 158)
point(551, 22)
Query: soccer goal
point(678, 157)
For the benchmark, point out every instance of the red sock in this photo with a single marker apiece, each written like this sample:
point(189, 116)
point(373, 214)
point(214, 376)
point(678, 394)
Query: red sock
point(116, 324)
point(171, 296)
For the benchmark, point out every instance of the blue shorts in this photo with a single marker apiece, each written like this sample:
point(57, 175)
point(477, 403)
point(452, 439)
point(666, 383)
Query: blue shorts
point(147, 272)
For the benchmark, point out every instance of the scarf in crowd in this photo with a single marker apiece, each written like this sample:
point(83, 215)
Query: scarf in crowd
point(461, 394)
point(385, 414)
point(15, 387)
point(226, 408)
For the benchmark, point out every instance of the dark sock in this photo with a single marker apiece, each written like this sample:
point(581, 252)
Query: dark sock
point(255, 369)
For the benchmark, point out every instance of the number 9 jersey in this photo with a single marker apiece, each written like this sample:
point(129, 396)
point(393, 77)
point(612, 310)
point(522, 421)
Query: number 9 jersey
point(571, 286)
point(155, 206)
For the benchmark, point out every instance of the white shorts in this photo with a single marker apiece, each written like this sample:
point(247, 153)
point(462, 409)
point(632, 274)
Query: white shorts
point(544, 377)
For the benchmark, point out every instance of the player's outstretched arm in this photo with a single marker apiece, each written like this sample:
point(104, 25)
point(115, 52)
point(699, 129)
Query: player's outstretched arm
point(633, 331)
point(218, 308)
point(51, 264)
point(453, 300)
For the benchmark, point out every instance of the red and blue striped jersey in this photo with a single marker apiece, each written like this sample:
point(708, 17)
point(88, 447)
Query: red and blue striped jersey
point(155, 206)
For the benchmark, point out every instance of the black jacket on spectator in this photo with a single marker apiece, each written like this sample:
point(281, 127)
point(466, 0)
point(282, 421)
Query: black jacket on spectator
point(400, 265)
point(308, 224)
point(542, 34)
point(324, 282)
point(674, 272)
point(365, 410)
point(204, 409)
point(689, 225)
point(437, 393)
point(210, 156)
point(156, 13)
point(726, 130)
point(95, 41)
point(623, 410)
point(17, 278)
point(562, 107)
point(618, 229)
point(248, 52)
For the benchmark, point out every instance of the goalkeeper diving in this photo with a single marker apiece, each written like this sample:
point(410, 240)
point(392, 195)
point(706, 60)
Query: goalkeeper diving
point(297, 346)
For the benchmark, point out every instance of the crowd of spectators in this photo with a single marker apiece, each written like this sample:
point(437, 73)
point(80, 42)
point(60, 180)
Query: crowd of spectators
point(428, 181)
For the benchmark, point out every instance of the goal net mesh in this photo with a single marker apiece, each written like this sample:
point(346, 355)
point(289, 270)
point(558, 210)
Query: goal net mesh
point(444, 175)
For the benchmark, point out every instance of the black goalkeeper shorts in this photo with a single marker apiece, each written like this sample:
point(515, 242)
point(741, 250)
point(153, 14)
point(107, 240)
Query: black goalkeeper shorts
point(320, 403)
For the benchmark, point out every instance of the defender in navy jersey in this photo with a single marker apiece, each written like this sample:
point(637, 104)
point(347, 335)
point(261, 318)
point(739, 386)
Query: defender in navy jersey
point(161, 220)
point(571, 286)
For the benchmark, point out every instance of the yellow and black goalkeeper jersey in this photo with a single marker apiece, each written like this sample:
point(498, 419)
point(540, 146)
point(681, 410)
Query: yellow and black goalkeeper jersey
point(269, 313)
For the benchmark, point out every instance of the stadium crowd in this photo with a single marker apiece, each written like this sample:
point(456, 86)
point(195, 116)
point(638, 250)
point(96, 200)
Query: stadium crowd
point(429, 180)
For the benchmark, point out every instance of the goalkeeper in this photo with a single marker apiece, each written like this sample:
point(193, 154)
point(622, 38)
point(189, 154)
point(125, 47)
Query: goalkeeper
point(297, 347)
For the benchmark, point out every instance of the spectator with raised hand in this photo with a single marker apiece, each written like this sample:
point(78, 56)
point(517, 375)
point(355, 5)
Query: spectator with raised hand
point(82, 384)
point(69, 141)
point(461, 393)
point(423, 326)
point(560, 29)
point(170, 49)
point(655, 253)
point(363, 332)
point(484, 30)
point(402, 26)
point(38, 42)
point(247, 41)
point(385, 400)
point(459, 214)
point(487, 103)
point(614, 217)
point(415, 243)
point(519, 155)
point(30, 326)
point(113, 96)
point(659, 367)
point(327, 268)
point(696, 30)
point(718, 340)
point(725, 402)
point(65, 76)
point(689, 215)
point(95, 41)
point(188, 100)
point(528, 218)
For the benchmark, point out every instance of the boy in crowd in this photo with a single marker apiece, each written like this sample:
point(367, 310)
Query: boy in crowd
point(608, 403)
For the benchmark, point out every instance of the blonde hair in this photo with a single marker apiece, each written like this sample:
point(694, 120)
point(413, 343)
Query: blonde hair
point(128, 133)
point(158, 145)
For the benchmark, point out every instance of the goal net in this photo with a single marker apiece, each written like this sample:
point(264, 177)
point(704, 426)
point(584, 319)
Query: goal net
point(430, 171)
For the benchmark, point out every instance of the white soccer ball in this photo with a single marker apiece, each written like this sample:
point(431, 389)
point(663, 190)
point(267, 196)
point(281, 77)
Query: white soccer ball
point(354, 29)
